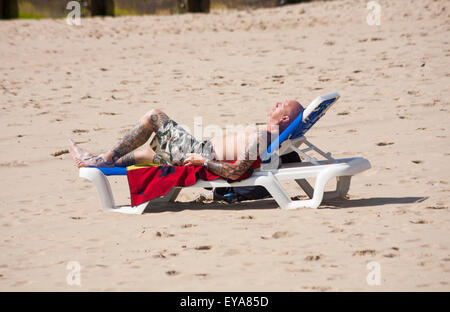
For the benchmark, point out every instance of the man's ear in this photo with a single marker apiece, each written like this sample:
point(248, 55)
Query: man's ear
point(285, 118)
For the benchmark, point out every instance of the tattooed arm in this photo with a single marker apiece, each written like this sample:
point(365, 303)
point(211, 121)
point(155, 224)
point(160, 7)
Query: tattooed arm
point(232, 171)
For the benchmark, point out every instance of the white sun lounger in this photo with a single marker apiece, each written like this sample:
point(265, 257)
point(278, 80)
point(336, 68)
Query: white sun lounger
point(270, 174)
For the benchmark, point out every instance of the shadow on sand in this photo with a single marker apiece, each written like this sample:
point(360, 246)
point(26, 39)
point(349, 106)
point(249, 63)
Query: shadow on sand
point(271, 204)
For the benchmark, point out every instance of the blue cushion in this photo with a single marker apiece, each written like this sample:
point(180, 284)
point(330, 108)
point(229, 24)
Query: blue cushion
point(113, 170)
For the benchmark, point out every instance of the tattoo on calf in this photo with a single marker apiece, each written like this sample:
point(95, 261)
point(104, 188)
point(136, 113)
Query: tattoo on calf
point(137, 136)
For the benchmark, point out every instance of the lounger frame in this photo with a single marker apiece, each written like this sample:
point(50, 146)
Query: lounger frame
point(269, 176)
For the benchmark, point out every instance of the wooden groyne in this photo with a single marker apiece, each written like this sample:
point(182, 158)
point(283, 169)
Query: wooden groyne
point(58, 8)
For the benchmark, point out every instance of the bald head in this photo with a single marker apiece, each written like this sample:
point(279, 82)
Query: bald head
point(283, 113)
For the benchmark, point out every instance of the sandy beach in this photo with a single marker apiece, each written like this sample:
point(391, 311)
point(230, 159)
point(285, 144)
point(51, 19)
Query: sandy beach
point(92, 82)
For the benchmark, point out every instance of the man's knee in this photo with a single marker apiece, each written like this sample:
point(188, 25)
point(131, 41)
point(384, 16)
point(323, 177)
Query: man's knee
point(153, 112)
point(154, 118)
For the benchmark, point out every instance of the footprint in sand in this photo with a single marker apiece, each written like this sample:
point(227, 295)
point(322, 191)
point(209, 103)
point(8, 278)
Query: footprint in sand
point(159, 255)
point(201, 274)
point(364, 252)
point(185, 226)
point(384, 143)
point(205, 247)
point(172, 273)
point(437, 207)
point(164, 234)
point(314, 257)
point(281, 234)
point(108, 113)
point(59, 153)
point(420, 222)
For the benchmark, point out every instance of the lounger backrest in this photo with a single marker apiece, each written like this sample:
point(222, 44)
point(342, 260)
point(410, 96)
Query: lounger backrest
point(307, 118)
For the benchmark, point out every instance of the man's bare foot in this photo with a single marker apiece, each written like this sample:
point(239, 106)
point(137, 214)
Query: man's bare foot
point(85, 159)
point(76, 152)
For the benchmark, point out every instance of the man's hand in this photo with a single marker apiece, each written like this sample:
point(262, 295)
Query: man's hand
point(194, 160)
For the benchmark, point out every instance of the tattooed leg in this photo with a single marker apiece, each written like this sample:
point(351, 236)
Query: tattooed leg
point(126, 160)
point(138, 135)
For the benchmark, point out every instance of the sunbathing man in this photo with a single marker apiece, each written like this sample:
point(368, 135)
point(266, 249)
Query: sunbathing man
point(173, 145)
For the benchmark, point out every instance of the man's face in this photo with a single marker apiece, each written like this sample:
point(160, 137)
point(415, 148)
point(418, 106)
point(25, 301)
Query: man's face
point(284, 111)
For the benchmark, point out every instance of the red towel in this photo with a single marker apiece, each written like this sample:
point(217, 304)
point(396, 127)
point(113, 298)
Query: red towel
point(151, 182)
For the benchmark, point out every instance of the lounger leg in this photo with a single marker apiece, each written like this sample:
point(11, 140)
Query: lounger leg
point(275, 189)
point(102, 185)
point(342, 187)
point(169, 197)
point(174, 194)
point(318, 191)
point(105, 194)
point(304, 184)
point(278, 193)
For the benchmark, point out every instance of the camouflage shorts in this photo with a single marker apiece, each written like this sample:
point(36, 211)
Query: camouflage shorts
point(172, 143)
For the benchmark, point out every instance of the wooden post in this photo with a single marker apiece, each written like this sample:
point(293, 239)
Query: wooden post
point(9, 9)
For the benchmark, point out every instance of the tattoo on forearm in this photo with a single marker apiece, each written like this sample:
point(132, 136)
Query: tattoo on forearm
point(125, 161)
point(231, 171)
point(137, 136)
